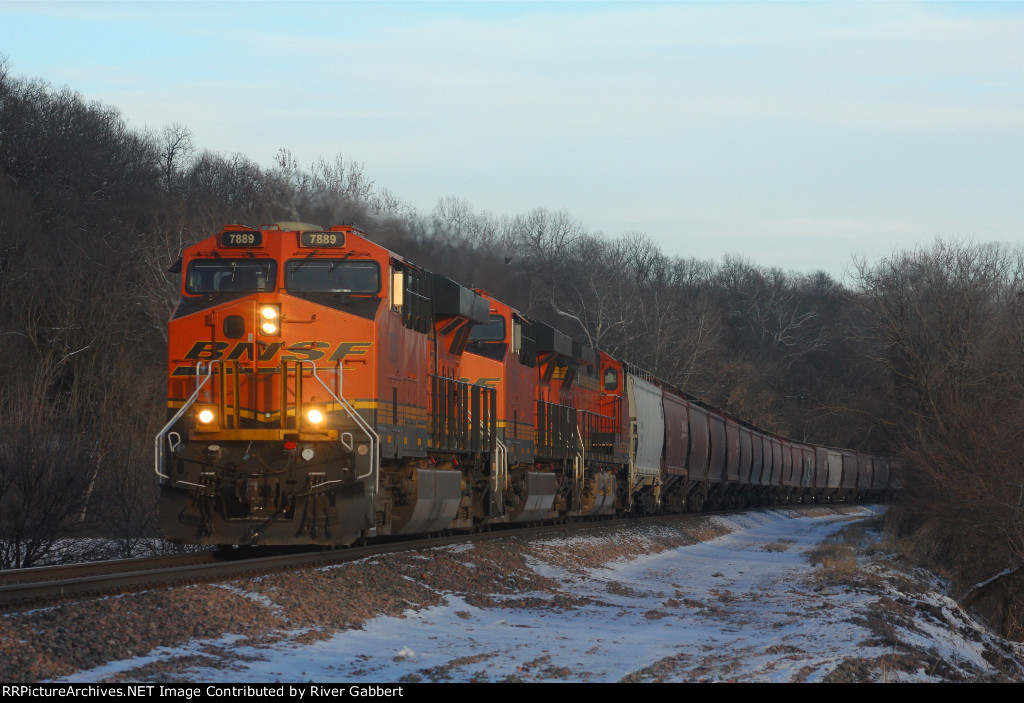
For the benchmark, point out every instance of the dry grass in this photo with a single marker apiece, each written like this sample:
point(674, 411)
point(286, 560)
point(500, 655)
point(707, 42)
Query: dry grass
point(836, 558)
point(837, 564)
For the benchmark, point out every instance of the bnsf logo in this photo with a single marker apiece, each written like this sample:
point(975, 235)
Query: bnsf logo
point(489, 382)
point(299, 351)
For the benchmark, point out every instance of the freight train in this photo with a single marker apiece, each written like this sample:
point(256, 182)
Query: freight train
point(324, 390)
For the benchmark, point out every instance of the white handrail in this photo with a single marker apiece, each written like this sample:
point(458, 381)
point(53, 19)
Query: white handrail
point(501, 461)
point(158, 444)
point(582, 458)
point(363, 425)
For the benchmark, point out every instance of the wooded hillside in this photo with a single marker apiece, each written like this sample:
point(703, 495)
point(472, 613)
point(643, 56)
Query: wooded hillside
point(921, 354)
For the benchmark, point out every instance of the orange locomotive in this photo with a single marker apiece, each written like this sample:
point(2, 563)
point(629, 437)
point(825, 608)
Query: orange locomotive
point(322, 389)
point(319, 392)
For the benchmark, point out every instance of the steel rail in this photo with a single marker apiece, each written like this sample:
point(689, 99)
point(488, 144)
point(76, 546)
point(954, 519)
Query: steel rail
point(86, 580)
point(59, 572)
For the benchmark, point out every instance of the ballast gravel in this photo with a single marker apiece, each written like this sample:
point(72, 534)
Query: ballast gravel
point(167, 635)
point(303, 606)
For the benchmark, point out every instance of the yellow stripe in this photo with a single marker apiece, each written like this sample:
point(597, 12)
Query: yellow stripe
point(265, 435)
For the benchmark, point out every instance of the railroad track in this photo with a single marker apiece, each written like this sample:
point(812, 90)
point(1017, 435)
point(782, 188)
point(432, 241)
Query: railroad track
point(34, 587)
point(63, 572)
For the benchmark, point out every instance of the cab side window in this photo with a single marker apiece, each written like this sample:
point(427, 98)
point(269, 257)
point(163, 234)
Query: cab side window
point(611, 379)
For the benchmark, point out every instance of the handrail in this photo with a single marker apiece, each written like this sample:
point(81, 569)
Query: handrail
point(208, 366)
point(500, 453)
point(582, 457)
point(501, 468)
point(363, 425)
point(159, 455)
point(591, 412)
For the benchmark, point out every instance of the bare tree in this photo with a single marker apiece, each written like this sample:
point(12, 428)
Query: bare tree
point(946, 322)
point(176, 148)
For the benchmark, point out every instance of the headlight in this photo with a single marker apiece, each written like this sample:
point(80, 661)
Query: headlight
point(315, 416)
point(206, 416)
point(270, 317)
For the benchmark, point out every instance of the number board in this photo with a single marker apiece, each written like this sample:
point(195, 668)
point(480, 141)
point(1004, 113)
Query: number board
point(322, 239)
point(249, 238)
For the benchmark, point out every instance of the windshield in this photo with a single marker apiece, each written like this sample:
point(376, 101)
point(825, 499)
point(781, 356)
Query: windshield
point(234, 275)
point(332, 276)
point(491, 331)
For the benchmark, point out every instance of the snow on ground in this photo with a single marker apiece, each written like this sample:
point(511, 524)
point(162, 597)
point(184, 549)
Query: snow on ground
point(745, 606)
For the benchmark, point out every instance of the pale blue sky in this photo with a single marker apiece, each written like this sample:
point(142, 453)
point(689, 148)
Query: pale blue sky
point(797, 134)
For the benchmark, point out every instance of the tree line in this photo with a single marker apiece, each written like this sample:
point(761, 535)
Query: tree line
point(920, 354)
